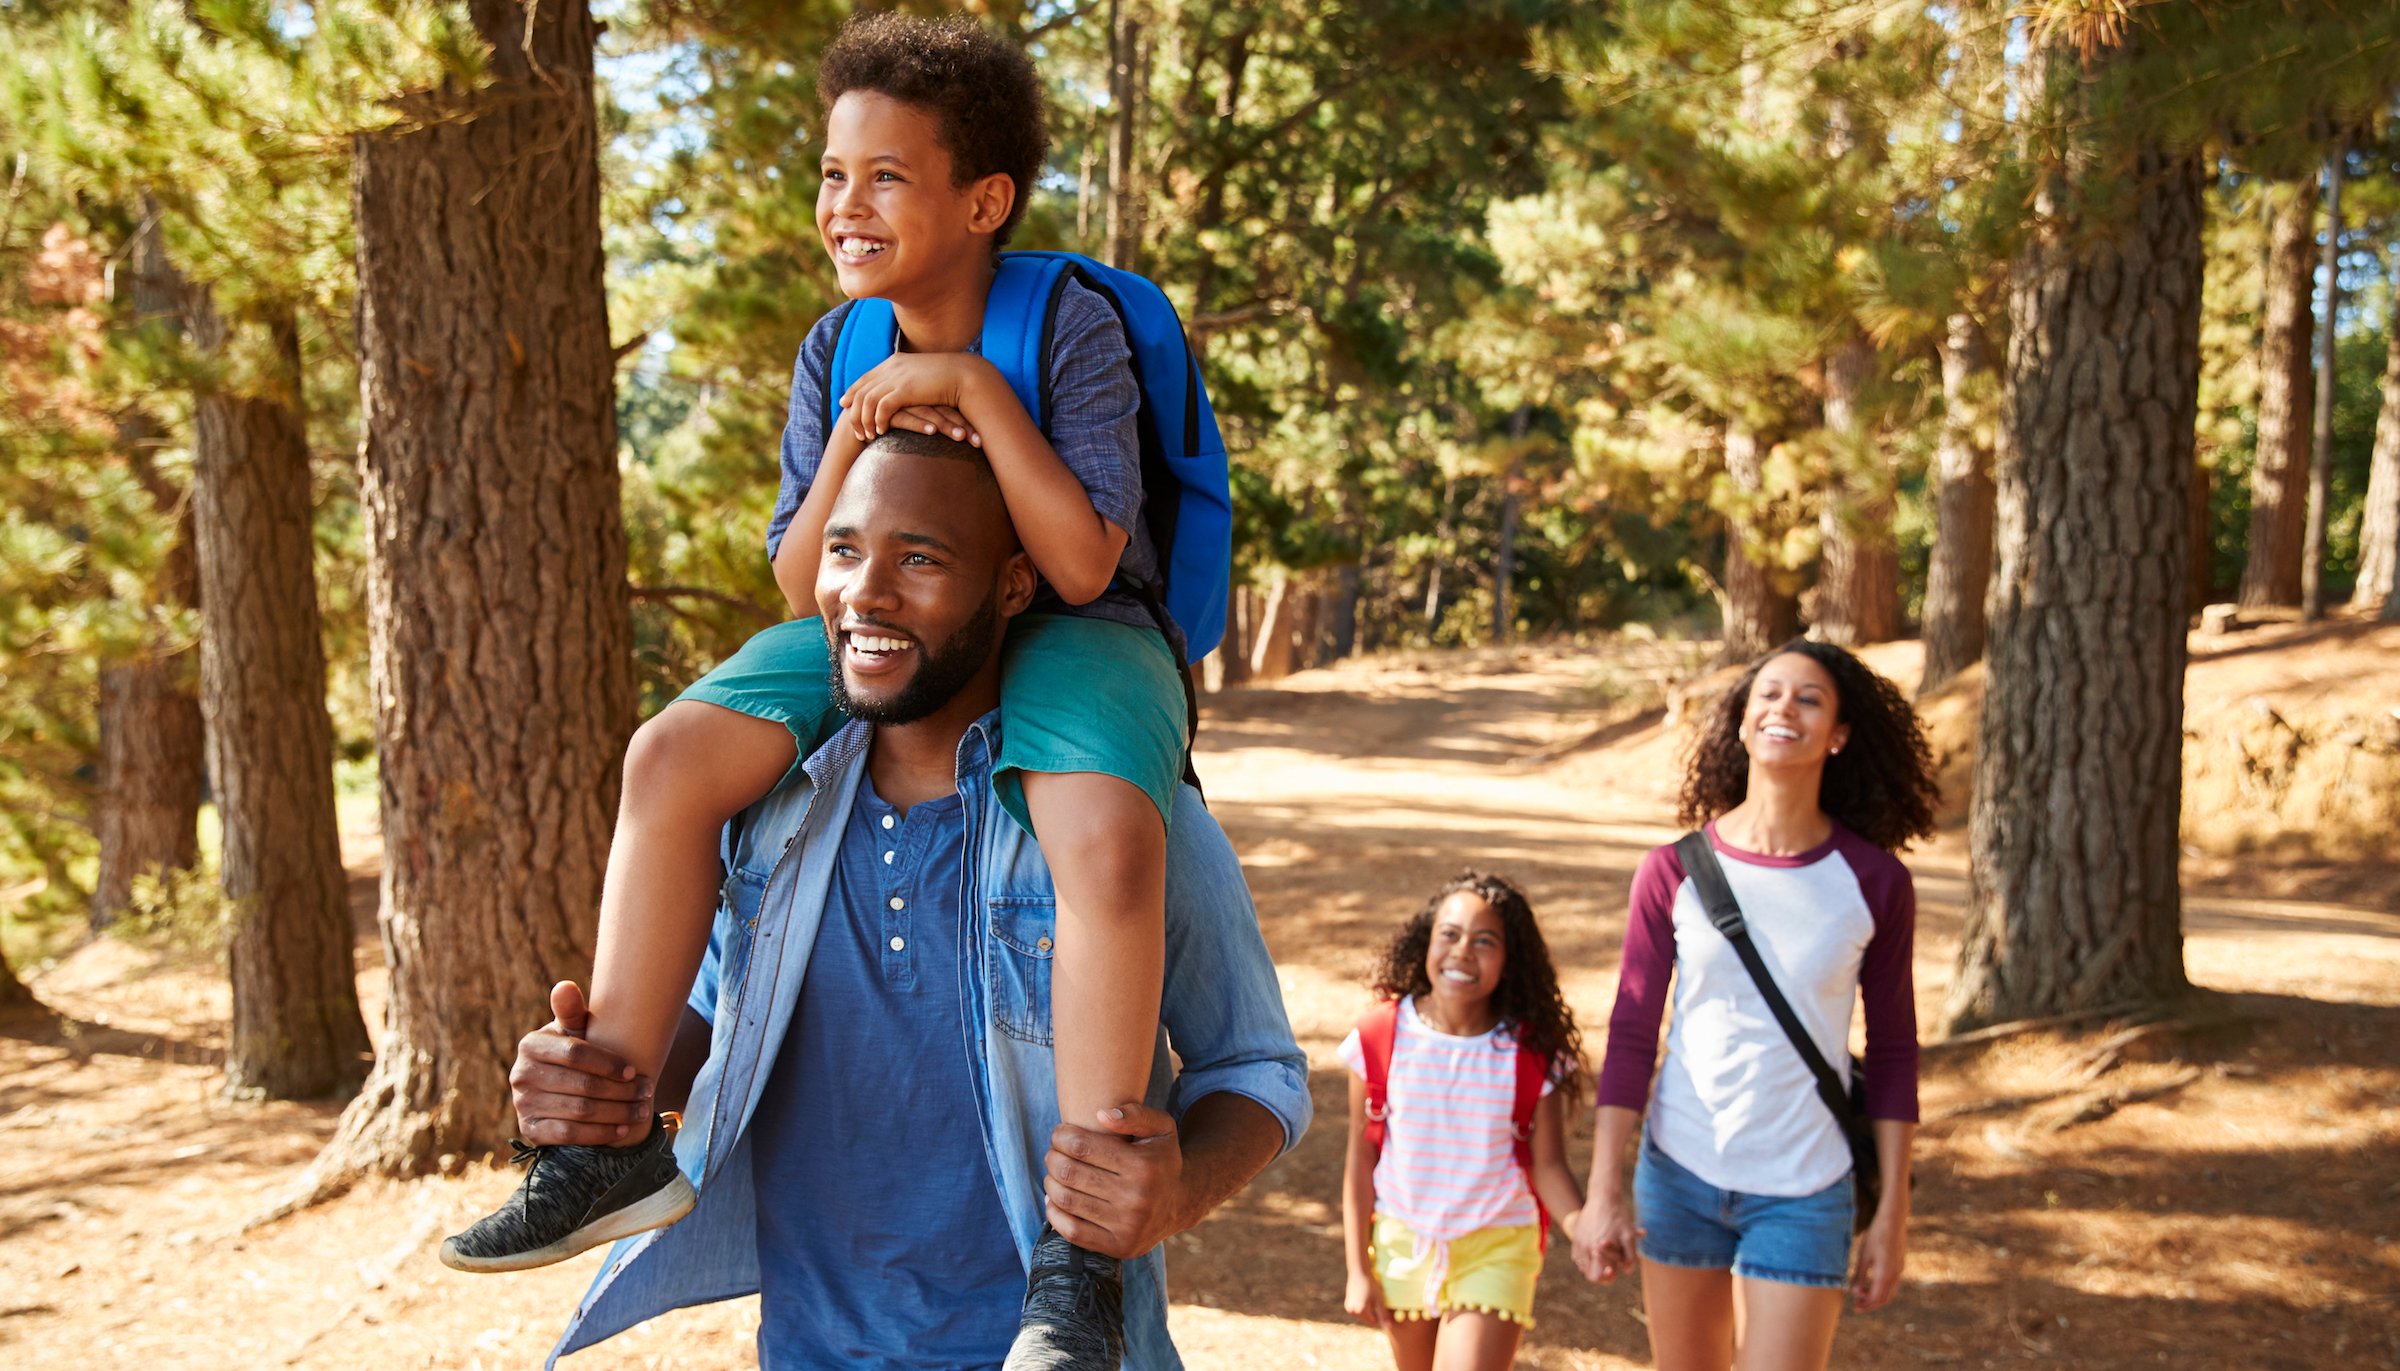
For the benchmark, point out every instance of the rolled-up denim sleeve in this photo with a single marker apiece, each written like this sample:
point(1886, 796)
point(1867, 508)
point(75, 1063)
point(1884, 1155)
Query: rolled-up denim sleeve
point(803, 427)
point(1222, 1006)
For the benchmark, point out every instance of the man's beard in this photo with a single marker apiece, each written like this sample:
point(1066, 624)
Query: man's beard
point(944, 672)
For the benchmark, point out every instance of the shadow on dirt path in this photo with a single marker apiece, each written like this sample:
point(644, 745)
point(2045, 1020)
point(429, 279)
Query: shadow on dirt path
point(2218, 1197)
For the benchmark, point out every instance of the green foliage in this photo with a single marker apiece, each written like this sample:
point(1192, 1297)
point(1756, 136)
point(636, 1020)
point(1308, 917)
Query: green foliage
point(1391, 225)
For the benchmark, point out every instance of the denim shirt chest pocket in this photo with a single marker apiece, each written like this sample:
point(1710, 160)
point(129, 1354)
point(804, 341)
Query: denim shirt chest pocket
point(744, 891)
point(1024, 930)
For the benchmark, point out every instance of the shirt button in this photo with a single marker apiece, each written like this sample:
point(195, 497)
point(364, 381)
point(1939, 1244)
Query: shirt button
point(1041, 944)
point(899, 943)
point(887, 858)
point(887, 821)
point(898, 903)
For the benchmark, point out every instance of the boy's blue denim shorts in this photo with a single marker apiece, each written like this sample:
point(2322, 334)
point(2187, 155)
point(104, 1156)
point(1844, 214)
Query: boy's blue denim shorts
point(1798, 1240)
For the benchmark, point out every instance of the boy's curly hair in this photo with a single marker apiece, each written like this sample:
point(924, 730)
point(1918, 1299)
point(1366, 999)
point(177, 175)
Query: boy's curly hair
point(1527, 1000)
point(1879, 786)
point(980, 88)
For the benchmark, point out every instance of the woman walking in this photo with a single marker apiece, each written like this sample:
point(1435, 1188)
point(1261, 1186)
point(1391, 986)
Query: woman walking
point(1812, 774)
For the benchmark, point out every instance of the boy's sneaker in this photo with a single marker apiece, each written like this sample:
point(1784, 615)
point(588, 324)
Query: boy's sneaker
point(1074, 1315)
point(575, 1199)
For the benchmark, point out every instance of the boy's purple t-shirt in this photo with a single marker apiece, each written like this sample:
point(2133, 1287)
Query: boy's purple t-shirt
point(1094, 427)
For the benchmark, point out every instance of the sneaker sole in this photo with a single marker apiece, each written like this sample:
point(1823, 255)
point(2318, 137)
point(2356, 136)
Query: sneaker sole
point(655, 1210)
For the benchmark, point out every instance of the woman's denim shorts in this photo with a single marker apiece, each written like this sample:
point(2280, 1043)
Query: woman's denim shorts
point(1798, 1240)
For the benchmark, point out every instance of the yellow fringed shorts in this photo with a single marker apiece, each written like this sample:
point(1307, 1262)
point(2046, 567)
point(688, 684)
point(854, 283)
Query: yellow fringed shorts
point(1491, 1271)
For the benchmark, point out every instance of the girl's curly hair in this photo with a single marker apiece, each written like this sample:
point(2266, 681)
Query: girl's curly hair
point(980, 88)
point(1879, 786)
point(1527, 1000)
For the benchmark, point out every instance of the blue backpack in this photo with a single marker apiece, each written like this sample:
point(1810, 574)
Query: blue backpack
point(1186, 500)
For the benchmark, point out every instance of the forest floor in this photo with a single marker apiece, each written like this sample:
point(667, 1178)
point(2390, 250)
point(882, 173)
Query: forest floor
point(2215, 1194)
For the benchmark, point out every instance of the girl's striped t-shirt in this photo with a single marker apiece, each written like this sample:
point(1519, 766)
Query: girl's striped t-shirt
point(1449, 1164)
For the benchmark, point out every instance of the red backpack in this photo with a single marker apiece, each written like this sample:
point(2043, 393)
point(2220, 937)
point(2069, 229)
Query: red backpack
point(1375, 1034)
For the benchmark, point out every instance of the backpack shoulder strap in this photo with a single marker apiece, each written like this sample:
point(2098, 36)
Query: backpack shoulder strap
point(1376, 1030)
point(864, 333)
point(1716, 896)
point(1532, 1071)
point(1020, 322)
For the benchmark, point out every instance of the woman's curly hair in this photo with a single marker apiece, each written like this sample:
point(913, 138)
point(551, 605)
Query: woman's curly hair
point(1527, 1000)
point(980, 88)
point(1879, 786)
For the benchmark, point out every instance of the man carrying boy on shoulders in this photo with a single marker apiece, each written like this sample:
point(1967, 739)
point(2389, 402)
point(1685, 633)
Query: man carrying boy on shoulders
point(873, 1127)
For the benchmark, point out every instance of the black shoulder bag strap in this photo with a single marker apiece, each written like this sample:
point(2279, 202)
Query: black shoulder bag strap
point(1708, 879)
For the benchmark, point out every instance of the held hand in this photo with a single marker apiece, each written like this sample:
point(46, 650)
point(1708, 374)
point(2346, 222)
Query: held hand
point(1882, 1252)
point(1362, 1299)
point(1605, 1236)
point(911, 380)
point(568, 1091)
point(1115, 1189)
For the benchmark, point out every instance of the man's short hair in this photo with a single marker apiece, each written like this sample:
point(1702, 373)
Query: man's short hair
point(980, 88)
point(908, 442)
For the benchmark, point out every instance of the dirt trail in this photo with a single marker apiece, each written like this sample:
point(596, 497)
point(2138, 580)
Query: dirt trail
point(2220, 1198)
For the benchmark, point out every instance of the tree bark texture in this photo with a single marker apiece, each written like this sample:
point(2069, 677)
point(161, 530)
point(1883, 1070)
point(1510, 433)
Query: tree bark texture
point(2279, 479)
point(2379, 527)
point(153, 763)
point(1858, 600)
point(1961, 568)
point(297, 1031)
point(2201, 583)
point(2320, 461)
point(1760, 612)
point(2073, 894)
point(497, 600)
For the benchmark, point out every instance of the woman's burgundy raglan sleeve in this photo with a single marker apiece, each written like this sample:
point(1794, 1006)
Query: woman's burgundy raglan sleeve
point(1887, 985)
point(1642, 982)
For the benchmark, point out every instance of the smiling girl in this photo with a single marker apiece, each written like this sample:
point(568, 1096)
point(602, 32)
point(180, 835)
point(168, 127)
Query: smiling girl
point(1457, 1140)
point(1811, 773)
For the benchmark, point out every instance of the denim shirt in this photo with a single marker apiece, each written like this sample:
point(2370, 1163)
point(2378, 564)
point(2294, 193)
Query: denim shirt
point(1222, 1012)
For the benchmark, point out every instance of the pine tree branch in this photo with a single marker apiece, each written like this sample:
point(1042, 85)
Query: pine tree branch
point(669, 594)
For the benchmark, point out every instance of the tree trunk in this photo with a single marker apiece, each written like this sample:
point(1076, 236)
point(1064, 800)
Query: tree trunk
point(297, 1031)
point(1858, 599)
point(1760, 613)
point(1504, 563)
point(2073, 894)
point(1307, 615)
point(497, 601)
point(1271, 654)
point(152, 760)
point(2379, 529)
point(2279, 480)
point(2320, 462)
point(2201, 584)
point(1341, 613)
point(1127, 89)
point(1441, 556)
point(1233, 655)
point(1962, 543)
point(13, 994)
